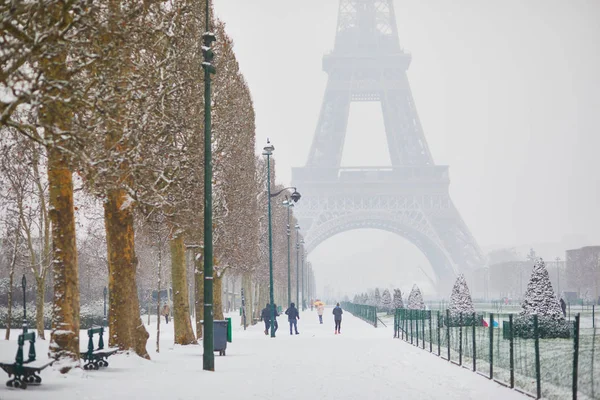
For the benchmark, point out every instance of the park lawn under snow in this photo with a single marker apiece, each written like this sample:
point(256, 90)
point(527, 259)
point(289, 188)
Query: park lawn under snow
point(362, 363)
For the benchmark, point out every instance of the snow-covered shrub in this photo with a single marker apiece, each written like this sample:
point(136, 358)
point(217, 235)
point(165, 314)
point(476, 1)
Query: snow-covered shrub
point(91, 314)
point(17, 316)
point(415, 299)
point(386, 301)
point(398, 299)
point(540, 300)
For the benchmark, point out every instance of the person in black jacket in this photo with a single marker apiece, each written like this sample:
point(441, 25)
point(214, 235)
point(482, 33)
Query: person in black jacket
point(293, 317)
point(265, 315)
point(337, 316)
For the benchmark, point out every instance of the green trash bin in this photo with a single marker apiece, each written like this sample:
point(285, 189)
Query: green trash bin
point(228, 319)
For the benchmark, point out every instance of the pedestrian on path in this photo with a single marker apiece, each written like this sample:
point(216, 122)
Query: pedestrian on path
point(320, 308)
point(337, 317)
point(166, 310)
point(265, 316)
point(293, 317)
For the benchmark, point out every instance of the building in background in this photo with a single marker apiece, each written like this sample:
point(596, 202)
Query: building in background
point(583, 272)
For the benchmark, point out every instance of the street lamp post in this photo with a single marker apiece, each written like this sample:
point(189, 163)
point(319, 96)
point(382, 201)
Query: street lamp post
point(268, 151)
point(288, 204)
point(297, 265)
point(208, 357)
point(303, 293)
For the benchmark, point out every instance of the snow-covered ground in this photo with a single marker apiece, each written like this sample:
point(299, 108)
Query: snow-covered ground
point(361, 363)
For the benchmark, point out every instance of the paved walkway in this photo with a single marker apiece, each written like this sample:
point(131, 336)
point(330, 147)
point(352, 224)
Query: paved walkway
point(361, 363)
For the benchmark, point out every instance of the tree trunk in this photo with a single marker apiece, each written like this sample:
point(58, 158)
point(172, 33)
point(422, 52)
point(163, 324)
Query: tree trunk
point(11, 274)
point(181, 310)
point(218, 296)
point(39, 306)
point(125, 324)
point(247, 286)
point(64, 340)
point(199, 293)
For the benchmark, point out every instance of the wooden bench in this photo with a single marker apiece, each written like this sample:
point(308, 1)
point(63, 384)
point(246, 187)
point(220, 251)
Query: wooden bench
point(25, 372)
point(96, 358)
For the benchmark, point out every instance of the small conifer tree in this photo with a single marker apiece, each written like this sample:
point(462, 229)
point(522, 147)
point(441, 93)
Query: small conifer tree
point(398, 299)
point(540, 300)
point(460, 299)
point(415, 299)
point(386, 301)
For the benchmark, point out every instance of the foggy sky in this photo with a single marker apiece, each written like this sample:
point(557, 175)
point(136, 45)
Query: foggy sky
point(508, 96)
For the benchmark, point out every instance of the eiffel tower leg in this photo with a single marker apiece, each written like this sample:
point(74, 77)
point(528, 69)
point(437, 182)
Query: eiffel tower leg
point(457, 239)
point(406, 140)
point(328, 143)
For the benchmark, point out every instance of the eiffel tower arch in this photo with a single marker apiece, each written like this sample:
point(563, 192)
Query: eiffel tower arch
point(410, 198)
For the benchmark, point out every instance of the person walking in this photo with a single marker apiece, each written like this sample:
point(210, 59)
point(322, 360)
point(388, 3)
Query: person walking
point(337, 317)
point(265, 315)
point(166, 310)
point(320, 309)
point(293, 317)
point(563, 307)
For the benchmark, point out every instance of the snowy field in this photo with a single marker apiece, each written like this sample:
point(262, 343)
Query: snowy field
point(361, 363)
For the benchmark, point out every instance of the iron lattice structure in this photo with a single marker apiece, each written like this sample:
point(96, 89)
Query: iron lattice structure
point(411, 197)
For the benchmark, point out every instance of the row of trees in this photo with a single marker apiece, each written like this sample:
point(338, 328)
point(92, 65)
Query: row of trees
point(388, 302)
point(101, 121)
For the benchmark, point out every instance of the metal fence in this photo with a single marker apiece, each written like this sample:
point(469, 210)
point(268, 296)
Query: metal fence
point(490, 344)
point(366, 313)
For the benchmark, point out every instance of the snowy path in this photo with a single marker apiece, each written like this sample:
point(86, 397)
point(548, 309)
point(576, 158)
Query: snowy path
point(361, 363)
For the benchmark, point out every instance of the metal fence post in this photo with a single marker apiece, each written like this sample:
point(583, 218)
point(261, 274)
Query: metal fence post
point(423, 313)
point(538, 374)
point(491, 345)
point(460, 317)
point(417, 326)
point(474, 345)
point(430, 334)
point(410, 316)
point(511, 351)
point(593, 315)
point(448, 331)
point(439, 336)
point(575, 356)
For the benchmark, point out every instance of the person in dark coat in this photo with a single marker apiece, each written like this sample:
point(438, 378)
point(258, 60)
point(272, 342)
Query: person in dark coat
point(563, 307)
point(293, 317)
point(265, 315)
point(337, 317)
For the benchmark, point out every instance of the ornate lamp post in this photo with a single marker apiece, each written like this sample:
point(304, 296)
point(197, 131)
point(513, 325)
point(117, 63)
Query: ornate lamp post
point(287, 203)
point(208, 357)
point(268, 151)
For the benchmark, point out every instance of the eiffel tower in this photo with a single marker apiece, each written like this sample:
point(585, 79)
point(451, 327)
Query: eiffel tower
point(411, 197)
